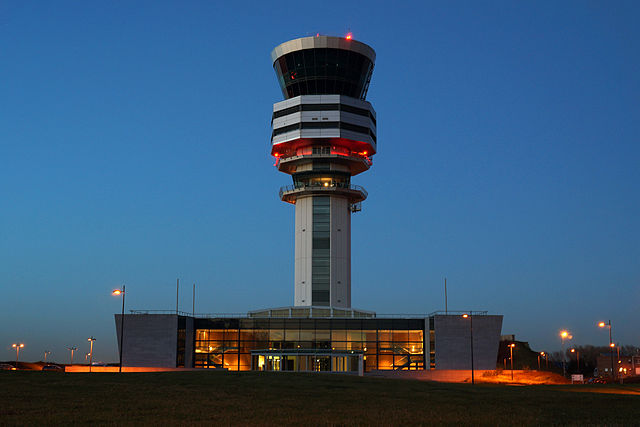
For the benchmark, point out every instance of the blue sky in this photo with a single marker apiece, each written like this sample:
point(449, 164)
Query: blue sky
point(134, 139)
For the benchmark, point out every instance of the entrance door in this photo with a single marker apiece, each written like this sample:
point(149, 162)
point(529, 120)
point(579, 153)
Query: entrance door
point(272, 363)
point(322, 363)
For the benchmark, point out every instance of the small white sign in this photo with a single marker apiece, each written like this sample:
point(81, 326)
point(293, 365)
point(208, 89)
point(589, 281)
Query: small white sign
point(577, 378)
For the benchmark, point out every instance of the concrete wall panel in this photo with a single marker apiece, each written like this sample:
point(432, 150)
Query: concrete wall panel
point(453, 341)
point(149, 340)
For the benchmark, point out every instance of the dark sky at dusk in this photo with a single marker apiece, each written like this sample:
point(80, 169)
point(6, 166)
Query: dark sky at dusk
point(134, 140)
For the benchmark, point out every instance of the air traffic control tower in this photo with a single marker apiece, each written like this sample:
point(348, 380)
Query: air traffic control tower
point(324, 132)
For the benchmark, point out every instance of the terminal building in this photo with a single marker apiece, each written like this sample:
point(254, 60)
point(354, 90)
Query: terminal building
point(323, 134)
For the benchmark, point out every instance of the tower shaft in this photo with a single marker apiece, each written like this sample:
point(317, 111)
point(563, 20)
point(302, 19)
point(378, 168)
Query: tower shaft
point(323, 251)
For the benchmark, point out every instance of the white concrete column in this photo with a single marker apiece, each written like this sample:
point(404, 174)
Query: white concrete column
point(303, 251)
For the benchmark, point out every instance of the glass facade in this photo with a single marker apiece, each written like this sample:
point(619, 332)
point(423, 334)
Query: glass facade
point(323, 71)
point(321, 247)
point(319, 179)
point(386, 344)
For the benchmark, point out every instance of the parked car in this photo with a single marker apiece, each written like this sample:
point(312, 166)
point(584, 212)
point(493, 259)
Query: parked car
point(6, 367)
point(53, 368)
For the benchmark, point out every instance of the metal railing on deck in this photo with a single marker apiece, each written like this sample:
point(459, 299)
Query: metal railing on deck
point(375, 315)
point(352, 187)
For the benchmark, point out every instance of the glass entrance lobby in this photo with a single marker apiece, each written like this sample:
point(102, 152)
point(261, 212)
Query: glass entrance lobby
point(308, 361)
point(309, 344)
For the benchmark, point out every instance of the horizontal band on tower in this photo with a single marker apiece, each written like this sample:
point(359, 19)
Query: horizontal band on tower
point(325, 125)
point(324, 107)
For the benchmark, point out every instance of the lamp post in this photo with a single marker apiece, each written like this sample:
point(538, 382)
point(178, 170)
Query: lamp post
point(72, 349)
point(577, 352)
point(46, 353)
point(470, 317)
point(563, 335)
point(91, 340)
point(17, 346)
point(511, 346)
point(611, 345)
point(540, 354)
point(121, 292)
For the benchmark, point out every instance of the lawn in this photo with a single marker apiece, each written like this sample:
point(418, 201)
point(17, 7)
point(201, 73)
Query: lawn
point(301, 399)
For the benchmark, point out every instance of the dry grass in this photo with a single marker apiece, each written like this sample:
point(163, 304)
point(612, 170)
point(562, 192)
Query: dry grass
point(28, 398)
point(523, 378)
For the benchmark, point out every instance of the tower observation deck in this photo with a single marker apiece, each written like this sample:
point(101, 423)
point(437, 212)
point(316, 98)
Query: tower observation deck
point(324, 132)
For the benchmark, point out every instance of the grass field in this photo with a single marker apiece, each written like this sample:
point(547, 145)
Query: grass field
point(28, 398)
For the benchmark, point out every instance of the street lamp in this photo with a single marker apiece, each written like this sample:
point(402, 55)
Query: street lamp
point(121, 292)
point(564, 335)
point(17, 346)
point(611, 345)
point(577, 352)
point(511, 346)
point(470, 317)
point(72, 349)
point(91, 340)
point(46, 353)
point(540, 354)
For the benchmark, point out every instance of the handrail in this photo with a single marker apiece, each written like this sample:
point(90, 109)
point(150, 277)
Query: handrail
point(365, 159)
point(353, 187)
point(377, 315)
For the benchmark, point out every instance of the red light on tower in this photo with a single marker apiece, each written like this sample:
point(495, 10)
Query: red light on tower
point(349, 36)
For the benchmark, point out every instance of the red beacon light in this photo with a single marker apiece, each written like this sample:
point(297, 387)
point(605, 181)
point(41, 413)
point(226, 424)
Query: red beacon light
point(349, 36)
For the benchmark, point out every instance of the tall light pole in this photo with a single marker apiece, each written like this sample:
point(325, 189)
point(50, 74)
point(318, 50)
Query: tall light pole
point(46, 353)
point(563, 335)
point(577, 352)
point(611, 345)
point(540, 354)
point(511, 346)
point(121, 292)
point(91, 340)
point(17, 346)
point(72, 349)
point(470, 317)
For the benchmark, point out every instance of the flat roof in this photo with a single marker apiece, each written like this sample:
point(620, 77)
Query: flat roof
point(323, 42)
